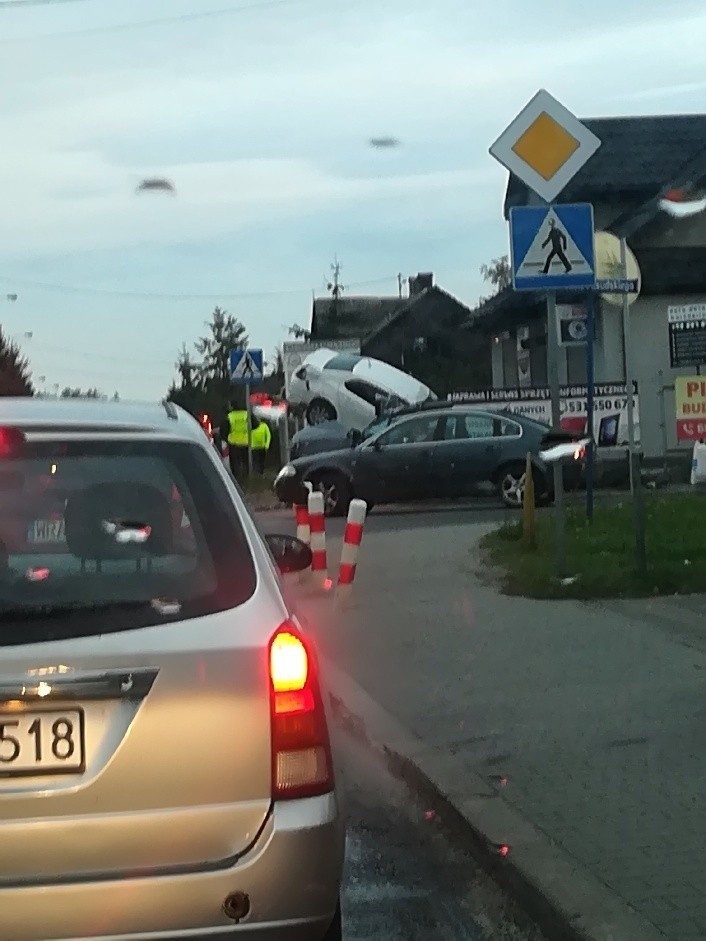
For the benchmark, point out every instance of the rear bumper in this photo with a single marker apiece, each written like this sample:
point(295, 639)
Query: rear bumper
point(292, 878)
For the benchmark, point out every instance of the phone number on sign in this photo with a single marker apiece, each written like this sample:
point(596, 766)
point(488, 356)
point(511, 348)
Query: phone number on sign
point(580, 406)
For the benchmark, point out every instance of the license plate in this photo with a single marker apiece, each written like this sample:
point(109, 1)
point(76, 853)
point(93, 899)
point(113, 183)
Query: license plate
point(46, 531)
point(41, 742)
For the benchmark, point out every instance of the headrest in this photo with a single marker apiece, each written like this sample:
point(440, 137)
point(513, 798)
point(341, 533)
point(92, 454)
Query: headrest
point(125, 520)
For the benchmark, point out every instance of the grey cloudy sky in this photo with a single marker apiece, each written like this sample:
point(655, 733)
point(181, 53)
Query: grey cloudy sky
point(260, 113)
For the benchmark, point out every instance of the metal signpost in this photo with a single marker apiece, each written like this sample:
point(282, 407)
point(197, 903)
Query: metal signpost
point(246, 367)
point(633, 457)
point(542, 239)
point(552, 246)
point(591, 386)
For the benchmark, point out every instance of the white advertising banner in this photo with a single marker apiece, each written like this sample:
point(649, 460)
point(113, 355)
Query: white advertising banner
point(610, 417)
point(295, 353)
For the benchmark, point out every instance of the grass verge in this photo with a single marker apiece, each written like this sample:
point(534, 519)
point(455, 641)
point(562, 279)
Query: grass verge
point(600, 557)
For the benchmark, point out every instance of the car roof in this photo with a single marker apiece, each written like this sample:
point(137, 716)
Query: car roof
point(488, 408)
point(95, 415)
point(319, 357)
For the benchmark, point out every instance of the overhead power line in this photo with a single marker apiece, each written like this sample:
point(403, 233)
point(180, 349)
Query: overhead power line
point(8, 4)
point(144, 24)
point(146, 295)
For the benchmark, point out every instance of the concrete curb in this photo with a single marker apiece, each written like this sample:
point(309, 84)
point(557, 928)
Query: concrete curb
point(567, 902)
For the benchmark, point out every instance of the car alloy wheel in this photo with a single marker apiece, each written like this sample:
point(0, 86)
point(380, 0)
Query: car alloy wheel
point(336, 493)
point(512, 488)
point(331, 496)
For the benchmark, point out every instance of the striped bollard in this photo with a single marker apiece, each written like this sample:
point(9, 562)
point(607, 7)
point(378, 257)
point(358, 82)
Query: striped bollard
point(351, 544)
point(317, 522)
point(301, 515)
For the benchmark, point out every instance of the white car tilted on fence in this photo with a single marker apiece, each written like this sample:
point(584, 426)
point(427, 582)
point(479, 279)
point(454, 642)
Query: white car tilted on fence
point(351, 388)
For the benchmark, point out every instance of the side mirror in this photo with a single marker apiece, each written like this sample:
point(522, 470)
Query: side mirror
point(290, 553)
point(355, 437)
point(376, 445)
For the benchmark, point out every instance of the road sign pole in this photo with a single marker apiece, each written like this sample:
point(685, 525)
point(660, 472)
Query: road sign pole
point(557, 467)
point(633, 456)
point(248, 409)
point(590, 386)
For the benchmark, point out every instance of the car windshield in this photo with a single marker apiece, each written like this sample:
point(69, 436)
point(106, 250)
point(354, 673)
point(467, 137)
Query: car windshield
point(344, 362)
point(142, 531)
point(377, 425)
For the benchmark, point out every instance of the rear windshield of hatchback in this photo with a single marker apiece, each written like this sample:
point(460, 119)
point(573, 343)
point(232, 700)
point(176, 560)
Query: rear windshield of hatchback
point(101, 536)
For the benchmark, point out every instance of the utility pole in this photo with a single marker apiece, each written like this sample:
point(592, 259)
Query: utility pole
point(335, 286)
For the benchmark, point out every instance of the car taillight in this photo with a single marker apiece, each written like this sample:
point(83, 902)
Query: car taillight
point(12, 442)
point(301, 751)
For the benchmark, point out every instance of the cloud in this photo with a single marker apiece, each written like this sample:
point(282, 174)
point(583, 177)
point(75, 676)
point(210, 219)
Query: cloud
point(70, 200)
point(262, 121)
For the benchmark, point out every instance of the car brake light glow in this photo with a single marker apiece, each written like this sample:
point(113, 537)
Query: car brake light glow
point(12, 442)
point(301, 751)
point(289, 663)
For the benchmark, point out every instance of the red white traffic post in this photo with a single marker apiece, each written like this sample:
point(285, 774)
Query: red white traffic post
point(317, 523)
point(351, 545)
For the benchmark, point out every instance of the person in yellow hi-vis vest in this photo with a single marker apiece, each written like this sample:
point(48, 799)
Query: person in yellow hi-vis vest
point(235, 431)
point(261, 440)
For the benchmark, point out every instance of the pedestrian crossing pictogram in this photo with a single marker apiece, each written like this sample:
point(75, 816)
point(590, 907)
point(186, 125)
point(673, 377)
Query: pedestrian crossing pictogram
point(552, 247)
point(245, 366)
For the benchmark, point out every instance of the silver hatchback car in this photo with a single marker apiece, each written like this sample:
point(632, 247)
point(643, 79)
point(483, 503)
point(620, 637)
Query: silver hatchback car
point(165, 764)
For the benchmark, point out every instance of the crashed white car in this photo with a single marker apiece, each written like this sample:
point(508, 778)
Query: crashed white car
point(351, 388)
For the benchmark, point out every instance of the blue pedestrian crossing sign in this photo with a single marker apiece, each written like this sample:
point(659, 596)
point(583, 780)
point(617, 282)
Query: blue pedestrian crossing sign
point(551, 247)
point(245, 366)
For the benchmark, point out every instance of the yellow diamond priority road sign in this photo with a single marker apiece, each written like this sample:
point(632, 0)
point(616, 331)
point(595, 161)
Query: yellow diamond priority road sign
point(545, 146)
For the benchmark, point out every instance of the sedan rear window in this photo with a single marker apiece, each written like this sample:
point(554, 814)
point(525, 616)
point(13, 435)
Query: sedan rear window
point(105, 536)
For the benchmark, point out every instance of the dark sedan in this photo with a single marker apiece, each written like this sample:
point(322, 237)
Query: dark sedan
point(441, 452)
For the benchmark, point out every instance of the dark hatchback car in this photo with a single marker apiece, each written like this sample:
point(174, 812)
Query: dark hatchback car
point(430, 453)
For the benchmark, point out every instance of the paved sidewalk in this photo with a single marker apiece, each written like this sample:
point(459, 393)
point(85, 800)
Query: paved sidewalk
point(590, 720)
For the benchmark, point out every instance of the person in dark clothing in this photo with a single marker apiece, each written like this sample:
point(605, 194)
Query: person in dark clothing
point(557, 240)
point(261, 440)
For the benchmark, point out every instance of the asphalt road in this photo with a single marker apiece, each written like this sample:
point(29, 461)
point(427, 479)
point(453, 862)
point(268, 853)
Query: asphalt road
point(401, 518)
point(407, 876)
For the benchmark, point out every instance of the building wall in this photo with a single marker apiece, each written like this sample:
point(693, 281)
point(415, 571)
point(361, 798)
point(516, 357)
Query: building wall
point(666, 232)
point(509, 376)
point(428, 343)
point(496, 362)
point(650, 352)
